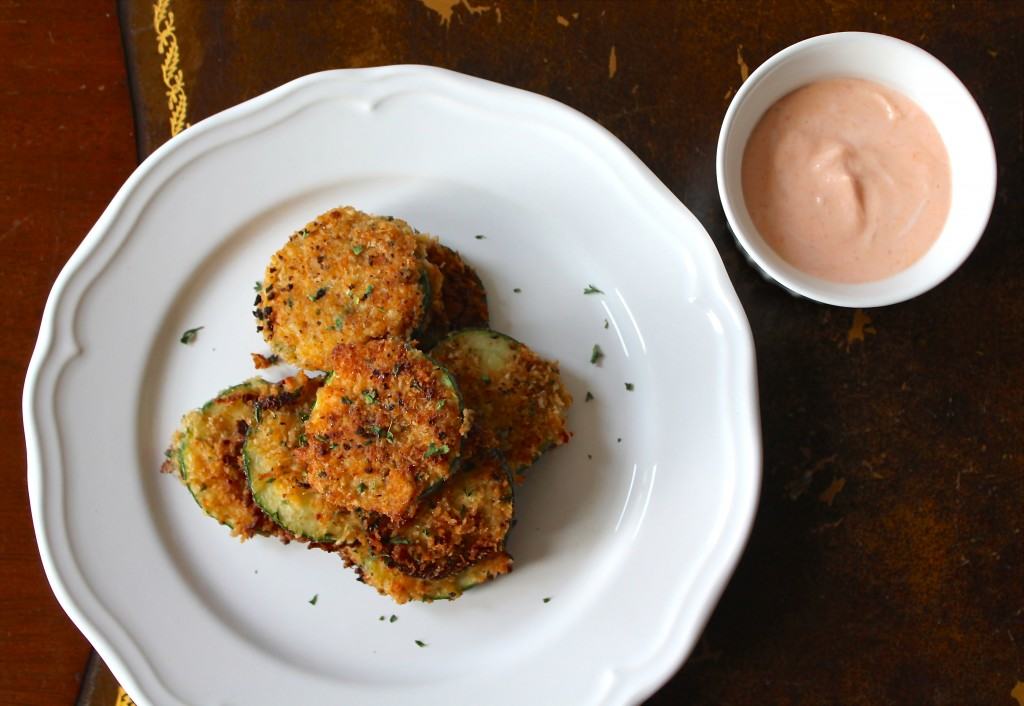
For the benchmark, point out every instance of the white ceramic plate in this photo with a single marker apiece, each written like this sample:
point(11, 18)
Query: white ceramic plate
point(632, 529)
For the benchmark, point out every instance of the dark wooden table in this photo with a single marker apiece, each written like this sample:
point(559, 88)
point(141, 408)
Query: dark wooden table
point(887, 559)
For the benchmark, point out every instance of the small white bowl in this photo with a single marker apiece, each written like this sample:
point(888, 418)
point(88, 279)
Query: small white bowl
point(919, 76)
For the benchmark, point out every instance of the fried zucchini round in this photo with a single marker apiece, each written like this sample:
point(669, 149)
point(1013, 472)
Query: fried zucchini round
point(206, 454)
point(373, 571)
point(386, 427)
point(278, 477)
point(517, 397)
point(461, 301)
point(347, 277)
point(463, 522)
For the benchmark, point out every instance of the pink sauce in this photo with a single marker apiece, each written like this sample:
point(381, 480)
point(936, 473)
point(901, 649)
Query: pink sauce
point(847, 180)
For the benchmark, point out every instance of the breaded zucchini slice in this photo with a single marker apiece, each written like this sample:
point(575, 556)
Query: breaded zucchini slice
point(463, 522)
point(206, 454)
point(373, 571)
point(460, 301)
point(387, 426)
point(347, 277)
point(278, 477)
point(517, 397)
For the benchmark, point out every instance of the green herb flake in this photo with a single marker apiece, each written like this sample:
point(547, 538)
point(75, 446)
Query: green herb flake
point(606, 323)
point(479, 236)
point(547, 599)
point(189, 337)
point(358, 249)
point(381, 618)
point(398, 540)
point(346, 400)
point(591, 289)
point(619, 440)
point(303, 441)
point(434, 450)
point(361, 488)
point(393, 618)
point(314, 599)
point(440, 404)
point(318, 294)
point(369, 396)
point(596, 354)
point(590, 396)
point(304, 232)
point(420, 643)
point(367, 293)
point(382, 433)
point(339, 323)
point(486, 379)
point(629, 386)
point(258, 286)
point(517, 290)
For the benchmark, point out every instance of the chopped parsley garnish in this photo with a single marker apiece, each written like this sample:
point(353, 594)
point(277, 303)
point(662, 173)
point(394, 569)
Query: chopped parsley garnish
point(398, 540)
point(361, 487)
point(591, 289)
point(382, 433)
point(486, 379)
point(189, 337)
point(369, 396)
point(590, 396)
point(304, 232)
point(596, 355)
point(434, 450)
point(393, 618)
point(314, 599)
point(440, 404)
point(420, 643)
point(478, 236)
point(606, 323)
point(381, 618)
point(368, 292)
point(258, 286)
point(318, 294)
point(629, 386)
point(346, 400)
point(339, 323)
point(619, 440)
point(547, 599)
point(303, 441)
point(358, 249)
point(517, 290)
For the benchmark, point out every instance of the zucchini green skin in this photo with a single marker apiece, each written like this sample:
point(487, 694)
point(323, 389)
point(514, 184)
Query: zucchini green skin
point(278, 477)
point(517, 397)
point(207, 451)
point(373, 570)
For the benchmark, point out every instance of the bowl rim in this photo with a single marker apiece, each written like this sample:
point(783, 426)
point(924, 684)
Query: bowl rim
point(806, 285)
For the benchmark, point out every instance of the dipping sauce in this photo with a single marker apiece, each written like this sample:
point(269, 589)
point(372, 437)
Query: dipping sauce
point(847, 180)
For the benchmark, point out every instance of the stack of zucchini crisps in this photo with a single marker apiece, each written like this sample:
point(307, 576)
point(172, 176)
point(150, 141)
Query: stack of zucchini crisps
point(403, 454)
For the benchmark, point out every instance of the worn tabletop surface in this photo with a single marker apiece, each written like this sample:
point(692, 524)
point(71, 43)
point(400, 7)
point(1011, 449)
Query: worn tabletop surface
point(886, 563)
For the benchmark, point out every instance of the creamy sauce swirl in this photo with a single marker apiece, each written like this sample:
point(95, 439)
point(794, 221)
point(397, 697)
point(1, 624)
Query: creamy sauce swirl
point(847, 180)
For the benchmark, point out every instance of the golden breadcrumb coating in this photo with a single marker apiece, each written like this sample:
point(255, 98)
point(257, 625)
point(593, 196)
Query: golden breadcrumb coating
point(347, 277)
point(372, 571)
point(386, 427)
point(205, 453)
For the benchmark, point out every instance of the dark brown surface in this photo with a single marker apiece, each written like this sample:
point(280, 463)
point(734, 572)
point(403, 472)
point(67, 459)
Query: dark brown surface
point(66, 133)
point(887, 560)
